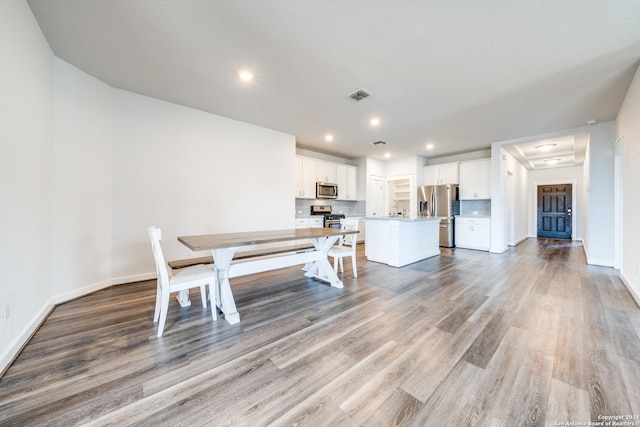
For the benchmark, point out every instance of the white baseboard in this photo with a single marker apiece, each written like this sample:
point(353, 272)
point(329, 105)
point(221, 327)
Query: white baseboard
point(135, 278)
point(499, 250)
point(599, 262)
point(517, 242)
point(77, 293)
point(627, 284)
point(23, 338)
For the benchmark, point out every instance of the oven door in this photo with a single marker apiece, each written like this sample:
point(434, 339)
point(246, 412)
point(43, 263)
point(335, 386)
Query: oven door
point(332, 223)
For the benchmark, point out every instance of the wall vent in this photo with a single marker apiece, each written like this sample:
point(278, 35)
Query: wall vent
point(359, 94)
point(379, 143)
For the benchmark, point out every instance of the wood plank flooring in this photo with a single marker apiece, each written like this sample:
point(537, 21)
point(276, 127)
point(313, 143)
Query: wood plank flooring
point(530, 337)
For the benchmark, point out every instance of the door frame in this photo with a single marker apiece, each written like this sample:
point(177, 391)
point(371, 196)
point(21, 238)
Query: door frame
point(574, 202)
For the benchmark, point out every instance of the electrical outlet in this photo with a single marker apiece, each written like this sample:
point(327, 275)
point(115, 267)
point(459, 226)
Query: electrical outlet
point(188, 251)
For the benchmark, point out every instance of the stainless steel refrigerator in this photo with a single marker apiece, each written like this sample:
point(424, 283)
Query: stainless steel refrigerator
point(440, 201)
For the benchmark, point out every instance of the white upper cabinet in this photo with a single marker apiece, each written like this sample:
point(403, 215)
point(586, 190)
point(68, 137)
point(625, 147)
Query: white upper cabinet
point(309, 171)
point(475, 179)
point(326, 172)
point(446, 173)
point(305, 178)
point(346, 180)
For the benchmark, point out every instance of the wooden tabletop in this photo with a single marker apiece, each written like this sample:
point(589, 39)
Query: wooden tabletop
point(205, 242)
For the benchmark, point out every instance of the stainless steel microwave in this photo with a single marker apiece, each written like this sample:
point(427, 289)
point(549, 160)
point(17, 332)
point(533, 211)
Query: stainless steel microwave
point(326, 190)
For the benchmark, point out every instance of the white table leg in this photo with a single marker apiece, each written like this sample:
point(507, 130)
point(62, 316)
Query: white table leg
point(224, 296)
point(322, 269)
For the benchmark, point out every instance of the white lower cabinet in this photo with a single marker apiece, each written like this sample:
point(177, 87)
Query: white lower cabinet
point(310, 222)
point(473, 233)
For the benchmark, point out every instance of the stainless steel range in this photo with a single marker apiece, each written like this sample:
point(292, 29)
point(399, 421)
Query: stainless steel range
point(330, 220)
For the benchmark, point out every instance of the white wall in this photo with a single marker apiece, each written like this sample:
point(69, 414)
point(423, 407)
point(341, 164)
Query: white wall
point(499, 199)
point(598, 225)
point(26, 122)
point(628, 128)
point(190, 172)
point(472, 155)
point(411, 165)
point(517, 202)
point(82, 163)
point(570, 175)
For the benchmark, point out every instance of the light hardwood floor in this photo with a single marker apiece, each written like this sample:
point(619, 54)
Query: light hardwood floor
point(533, 336)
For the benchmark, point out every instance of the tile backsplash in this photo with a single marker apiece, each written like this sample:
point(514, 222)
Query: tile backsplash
point(475, 207)
point(303, 207)
point(462, 207)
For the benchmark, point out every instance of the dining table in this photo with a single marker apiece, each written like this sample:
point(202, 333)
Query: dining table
point(224, 246)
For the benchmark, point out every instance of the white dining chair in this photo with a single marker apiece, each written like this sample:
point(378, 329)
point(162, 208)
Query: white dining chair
point(197, 276)
point(346, 246)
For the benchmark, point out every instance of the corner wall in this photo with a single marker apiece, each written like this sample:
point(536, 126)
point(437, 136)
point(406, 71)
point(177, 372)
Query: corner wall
point(26, 111)
point(86, 168)
point(628, 128)
point(82, 163)
point(190, 172)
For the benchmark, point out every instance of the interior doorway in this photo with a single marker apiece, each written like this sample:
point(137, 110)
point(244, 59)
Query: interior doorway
point(555, 210)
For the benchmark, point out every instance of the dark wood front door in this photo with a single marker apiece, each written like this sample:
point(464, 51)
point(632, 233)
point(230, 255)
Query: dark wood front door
point(554, 211)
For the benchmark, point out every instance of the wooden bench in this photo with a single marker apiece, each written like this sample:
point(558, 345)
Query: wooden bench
point(242, 255)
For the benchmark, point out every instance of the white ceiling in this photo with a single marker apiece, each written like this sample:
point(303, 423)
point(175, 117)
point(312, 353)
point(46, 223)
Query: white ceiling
point(460, 75)
point(568, 150)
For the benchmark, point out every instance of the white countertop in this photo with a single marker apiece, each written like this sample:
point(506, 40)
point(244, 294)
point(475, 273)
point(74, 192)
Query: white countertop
point(320, 216)
point(399, 218)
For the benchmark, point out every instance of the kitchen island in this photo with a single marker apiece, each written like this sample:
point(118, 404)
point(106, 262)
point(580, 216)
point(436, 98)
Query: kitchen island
point(398, 241)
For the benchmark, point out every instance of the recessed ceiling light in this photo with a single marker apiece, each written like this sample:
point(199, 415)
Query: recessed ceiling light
point(246, 75)
point(387, 155)
point(374, 121)
point(592, 122)
point(429, 146)
point(545, 147)
point(552, 161)
point(328, 137)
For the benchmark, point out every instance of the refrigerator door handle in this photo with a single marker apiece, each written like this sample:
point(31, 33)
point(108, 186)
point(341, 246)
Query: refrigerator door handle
point(433, 202)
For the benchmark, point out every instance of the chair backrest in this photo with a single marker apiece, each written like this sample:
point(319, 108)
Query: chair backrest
point(349, 224)
point(155, 235)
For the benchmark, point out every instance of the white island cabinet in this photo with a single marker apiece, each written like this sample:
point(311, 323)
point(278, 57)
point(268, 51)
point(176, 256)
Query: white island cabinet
point(401, 241)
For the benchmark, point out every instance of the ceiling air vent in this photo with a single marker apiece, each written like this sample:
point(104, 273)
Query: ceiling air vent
point(379, 143)
point(359, 94)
